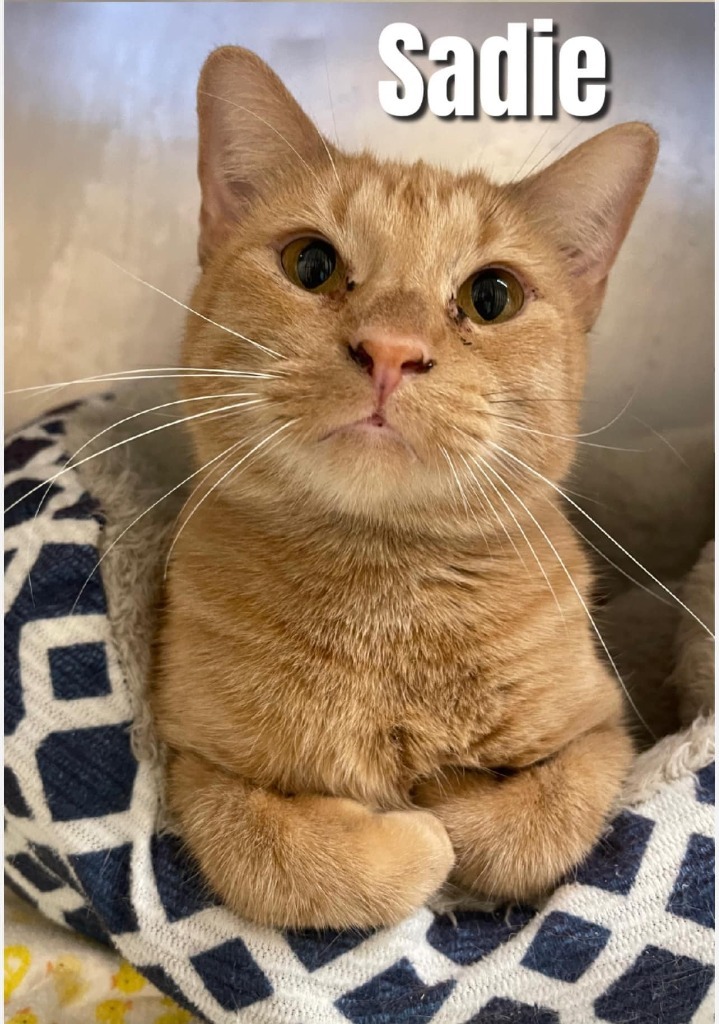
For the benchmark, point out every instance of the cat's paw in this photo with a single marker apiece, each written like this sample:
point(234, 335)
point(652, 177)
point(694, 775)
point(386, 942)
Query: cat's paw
point(516, 834)
point(310, 860)
point(411, 856)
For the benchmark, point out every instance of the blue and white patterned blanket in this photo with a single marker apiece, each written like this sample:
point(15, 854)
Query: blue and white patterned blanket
point(629, 938)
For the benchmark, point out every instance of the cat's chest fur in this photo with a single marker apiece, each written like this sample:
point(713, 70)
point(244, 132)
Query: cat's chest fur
point(309, 669)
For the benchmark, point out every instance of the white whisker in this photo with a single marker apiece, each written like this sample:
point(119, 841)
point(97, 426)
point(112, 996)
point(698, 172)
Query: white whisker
point(331, 159)
point(143, 412)
point(598, 551)
point(525, 400)
point(613, 420)
point(456, 479)
point(580, 597)
point(334, 122)
point(171, 298)
point(232, 469)
point(156, 408)
point(467, 506)
point(195, 489)
point(516, 473)
point(485, 498)
point(574, 438)
point(529, 156)
point(142, 516)
point(664, 440)
point(519, 526)
point(560, 142)
point(135, 437)
point(605, 532)
point(453, 493)
point(155, 373)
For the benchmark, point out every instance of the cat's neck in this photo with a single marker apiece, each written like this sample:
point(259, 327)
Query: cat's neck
point(324, 541)
point(308, 567)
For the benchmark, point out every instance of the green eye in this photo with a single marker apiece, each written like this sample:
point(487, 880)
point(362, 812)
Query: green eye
point(491, 296)
point(312, 264)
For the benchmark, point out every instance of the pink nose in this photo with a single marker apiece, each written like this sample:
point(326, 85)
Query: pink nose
point(390, 357)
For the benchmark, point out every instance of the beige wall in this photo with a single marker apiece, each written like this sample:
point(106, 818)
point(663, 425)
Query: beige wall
point(100, 158)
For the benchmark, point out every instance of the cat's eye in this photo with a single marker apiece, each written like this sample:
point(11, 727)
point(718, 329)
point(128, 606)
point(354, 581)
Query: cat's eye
point(313, 264)
point(491, 296)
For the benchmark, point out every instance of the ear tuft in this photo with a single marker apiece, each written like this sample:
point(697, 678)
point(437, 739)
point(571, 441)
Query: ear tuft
point(249, 125)
point(586, 201)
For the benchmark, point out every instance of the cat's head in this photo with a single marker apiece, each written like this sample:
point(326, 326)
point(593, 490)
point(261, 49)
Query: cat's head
point(403, 326)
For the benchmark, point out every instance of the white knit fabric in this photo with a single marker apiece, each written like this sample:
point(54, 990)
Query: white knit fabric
point(629, 938)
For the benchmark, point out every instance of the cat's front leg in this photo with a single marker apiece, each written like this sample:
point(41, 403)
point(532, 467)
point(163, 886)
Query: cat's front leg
point(305, 861)
point(516, 834)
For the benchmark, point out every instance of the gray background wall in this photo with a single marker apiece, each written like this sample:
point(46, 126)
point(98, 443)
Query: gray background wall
point(100, 159)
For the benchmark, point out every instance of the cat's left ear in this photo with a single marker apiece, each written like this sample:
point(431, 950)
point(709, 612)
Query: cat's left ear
point(586, 201)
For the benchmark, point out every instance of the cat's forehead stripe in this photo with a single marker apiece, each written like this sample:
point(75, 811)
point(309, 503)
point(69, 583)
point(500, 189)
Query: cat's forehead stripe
point(422, 206)
point(419, 198)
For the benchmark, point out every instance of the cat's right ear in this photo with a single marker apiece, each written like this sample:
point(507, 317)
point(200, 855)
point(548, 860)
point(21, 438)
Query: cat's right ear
point(249, 125)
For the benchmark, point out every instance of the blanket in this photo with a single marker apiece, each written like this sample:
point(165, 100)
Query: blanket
point(627, 937)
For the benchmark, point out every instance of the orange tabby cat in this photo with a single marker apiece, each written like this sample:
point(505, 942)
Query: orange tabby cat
point(376, 670)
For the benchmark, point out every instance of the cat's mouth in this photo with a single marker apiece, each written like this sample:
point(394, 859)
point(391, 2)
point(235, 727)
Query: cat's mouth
point(375, 428)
